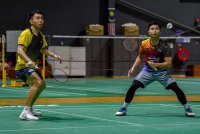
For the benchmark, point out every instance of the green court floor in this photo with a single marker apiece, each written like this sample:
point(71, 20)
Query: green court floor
point(99, 118)
point(100, 87)
point(154, 118)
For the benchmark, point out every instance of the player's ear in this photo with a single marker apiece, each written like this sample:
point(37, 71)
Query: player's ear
point(31, 21)
point(148, 32)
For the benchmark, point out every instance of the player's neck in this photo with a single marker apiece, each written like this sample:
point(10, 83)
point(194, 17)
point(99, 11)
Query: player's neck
point(35, 30)
point(155, 41)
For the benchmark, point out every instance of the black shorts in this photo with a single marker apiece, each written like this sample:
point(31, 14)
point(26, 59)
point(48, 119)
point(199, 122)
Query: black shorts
point(25, 72)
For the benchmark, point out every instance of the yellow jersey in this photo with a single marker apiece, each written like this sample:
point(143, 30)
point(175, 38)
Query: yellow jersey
point(33, 46)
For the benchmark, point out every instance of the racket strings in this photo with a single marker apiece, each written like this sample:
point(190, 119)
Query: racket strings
point(59, 75)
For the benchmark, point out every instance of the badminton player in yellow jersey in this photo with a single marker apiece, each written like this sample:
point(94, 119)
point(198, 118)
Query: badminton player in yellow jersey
point(157, 57)
point(31, 45)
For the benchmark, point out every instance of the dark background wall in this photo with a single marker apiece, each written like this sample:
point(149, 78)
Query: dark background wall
point(71, 16)
point(176, 10)
point(61, 16)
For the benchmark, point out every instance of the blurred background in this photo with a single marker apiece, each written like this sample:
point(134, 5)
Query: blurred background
point(92, 35)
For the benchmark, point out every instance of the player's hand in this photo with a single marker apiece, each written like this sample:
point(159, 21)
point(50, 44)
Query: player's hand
point(57, 57)
point(152, 65)
point(130, 72)
point(31, 64)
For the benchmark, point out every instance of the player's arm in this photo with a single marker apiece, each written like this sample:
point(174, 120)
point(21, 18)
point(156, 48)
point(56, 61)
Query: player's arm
point(46, 51)
point(137, 61)
point(164, 65)
point(167, 58)
point(23, 40)
point(139, 58)
point(135, 65)
point(49, 53)
point(22, 54)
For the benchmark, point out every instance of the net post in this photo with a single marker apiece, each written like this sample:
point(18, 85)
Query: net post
point(3, 62)
point(43, 66)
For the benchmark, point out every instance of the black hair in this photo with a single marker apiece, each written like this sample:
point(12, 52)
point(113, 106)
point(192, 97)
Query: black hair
point(31, 14)
point(154, 23)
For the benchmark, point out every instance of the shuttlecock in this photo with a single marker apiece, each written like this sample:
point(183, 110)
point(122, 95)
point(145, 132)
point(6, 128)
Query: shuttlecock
point(169, 25)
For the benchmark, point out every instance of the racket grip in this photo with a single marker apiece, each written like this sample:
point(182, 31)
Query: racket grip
point(27, 65)
point(155, 68)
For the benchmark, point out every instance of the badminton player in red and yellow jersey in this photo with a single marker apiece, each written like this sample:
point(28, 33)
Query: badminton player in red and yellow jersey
point(157, 57)
point(32, 44)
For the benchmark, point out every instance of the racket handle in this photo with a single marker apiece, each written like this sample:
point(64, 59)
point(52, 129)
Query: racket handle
point(27, 65)
point(155, 68)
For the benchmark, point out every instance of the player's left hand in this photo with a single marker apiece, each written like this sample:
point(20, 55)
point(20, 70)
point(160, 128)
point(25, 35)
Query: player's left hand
point(130, 72)
point(57, 57)
point(152, 64)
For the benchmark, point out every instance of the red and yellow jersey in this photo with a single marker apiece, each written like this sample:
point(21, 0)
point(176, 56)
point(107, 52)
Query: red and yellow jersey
point(152, 53)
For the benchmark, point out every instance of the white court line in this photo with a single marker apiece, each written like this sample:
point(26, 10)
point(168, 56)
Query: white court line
point(128, 124)
point(104, 90)
point(108, 90)
point(88, 88)
point(85, 108)
point(192, 106)
point(188, 83)
point(86, 127)
point(59, 128)
point(90, 117)
point(101, 90)
point(175, 124)
point(105, 106)
point(44, 92)
point(61, 93)
point(90, 106)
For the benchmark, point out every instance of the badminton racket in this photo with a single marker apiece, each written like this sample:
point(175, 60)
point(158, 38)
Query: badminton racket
point(56, 73)
point(130, 44)
point(149, 62)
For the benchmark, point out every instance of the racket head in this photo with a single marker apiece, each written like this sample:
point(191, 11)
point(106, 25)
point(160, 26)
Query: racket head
point(130, 44)
point(59, 75)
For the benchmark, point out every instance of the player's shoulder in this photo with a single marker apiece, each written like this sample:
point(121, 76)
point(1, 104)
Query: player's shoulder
point(146, 41)
point(42, 34)
point(26, 32)
point(163, 43)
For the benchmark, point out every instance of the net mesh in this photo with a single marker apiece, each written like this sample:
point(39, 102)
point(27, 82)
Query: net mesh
point(93, 56)
point(90, 56)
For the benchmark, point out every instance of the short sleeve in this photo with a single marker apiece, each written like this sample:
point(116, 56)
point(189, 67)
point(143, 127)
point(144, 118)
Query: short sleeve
point(24, 38)
point(141, 51)
point(166, 50)
point(45, 45)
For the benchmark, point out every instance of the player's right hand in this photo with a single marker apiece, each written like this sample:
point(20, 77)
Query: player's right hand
point(130, 72)
point(58, 58)
point(152, 65)
point(31, 64)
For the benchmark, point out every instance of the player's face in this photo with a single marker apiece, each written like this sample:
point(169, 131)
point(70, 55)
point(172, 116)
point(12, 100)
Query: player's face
point(37, 21)
point(154, 31)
